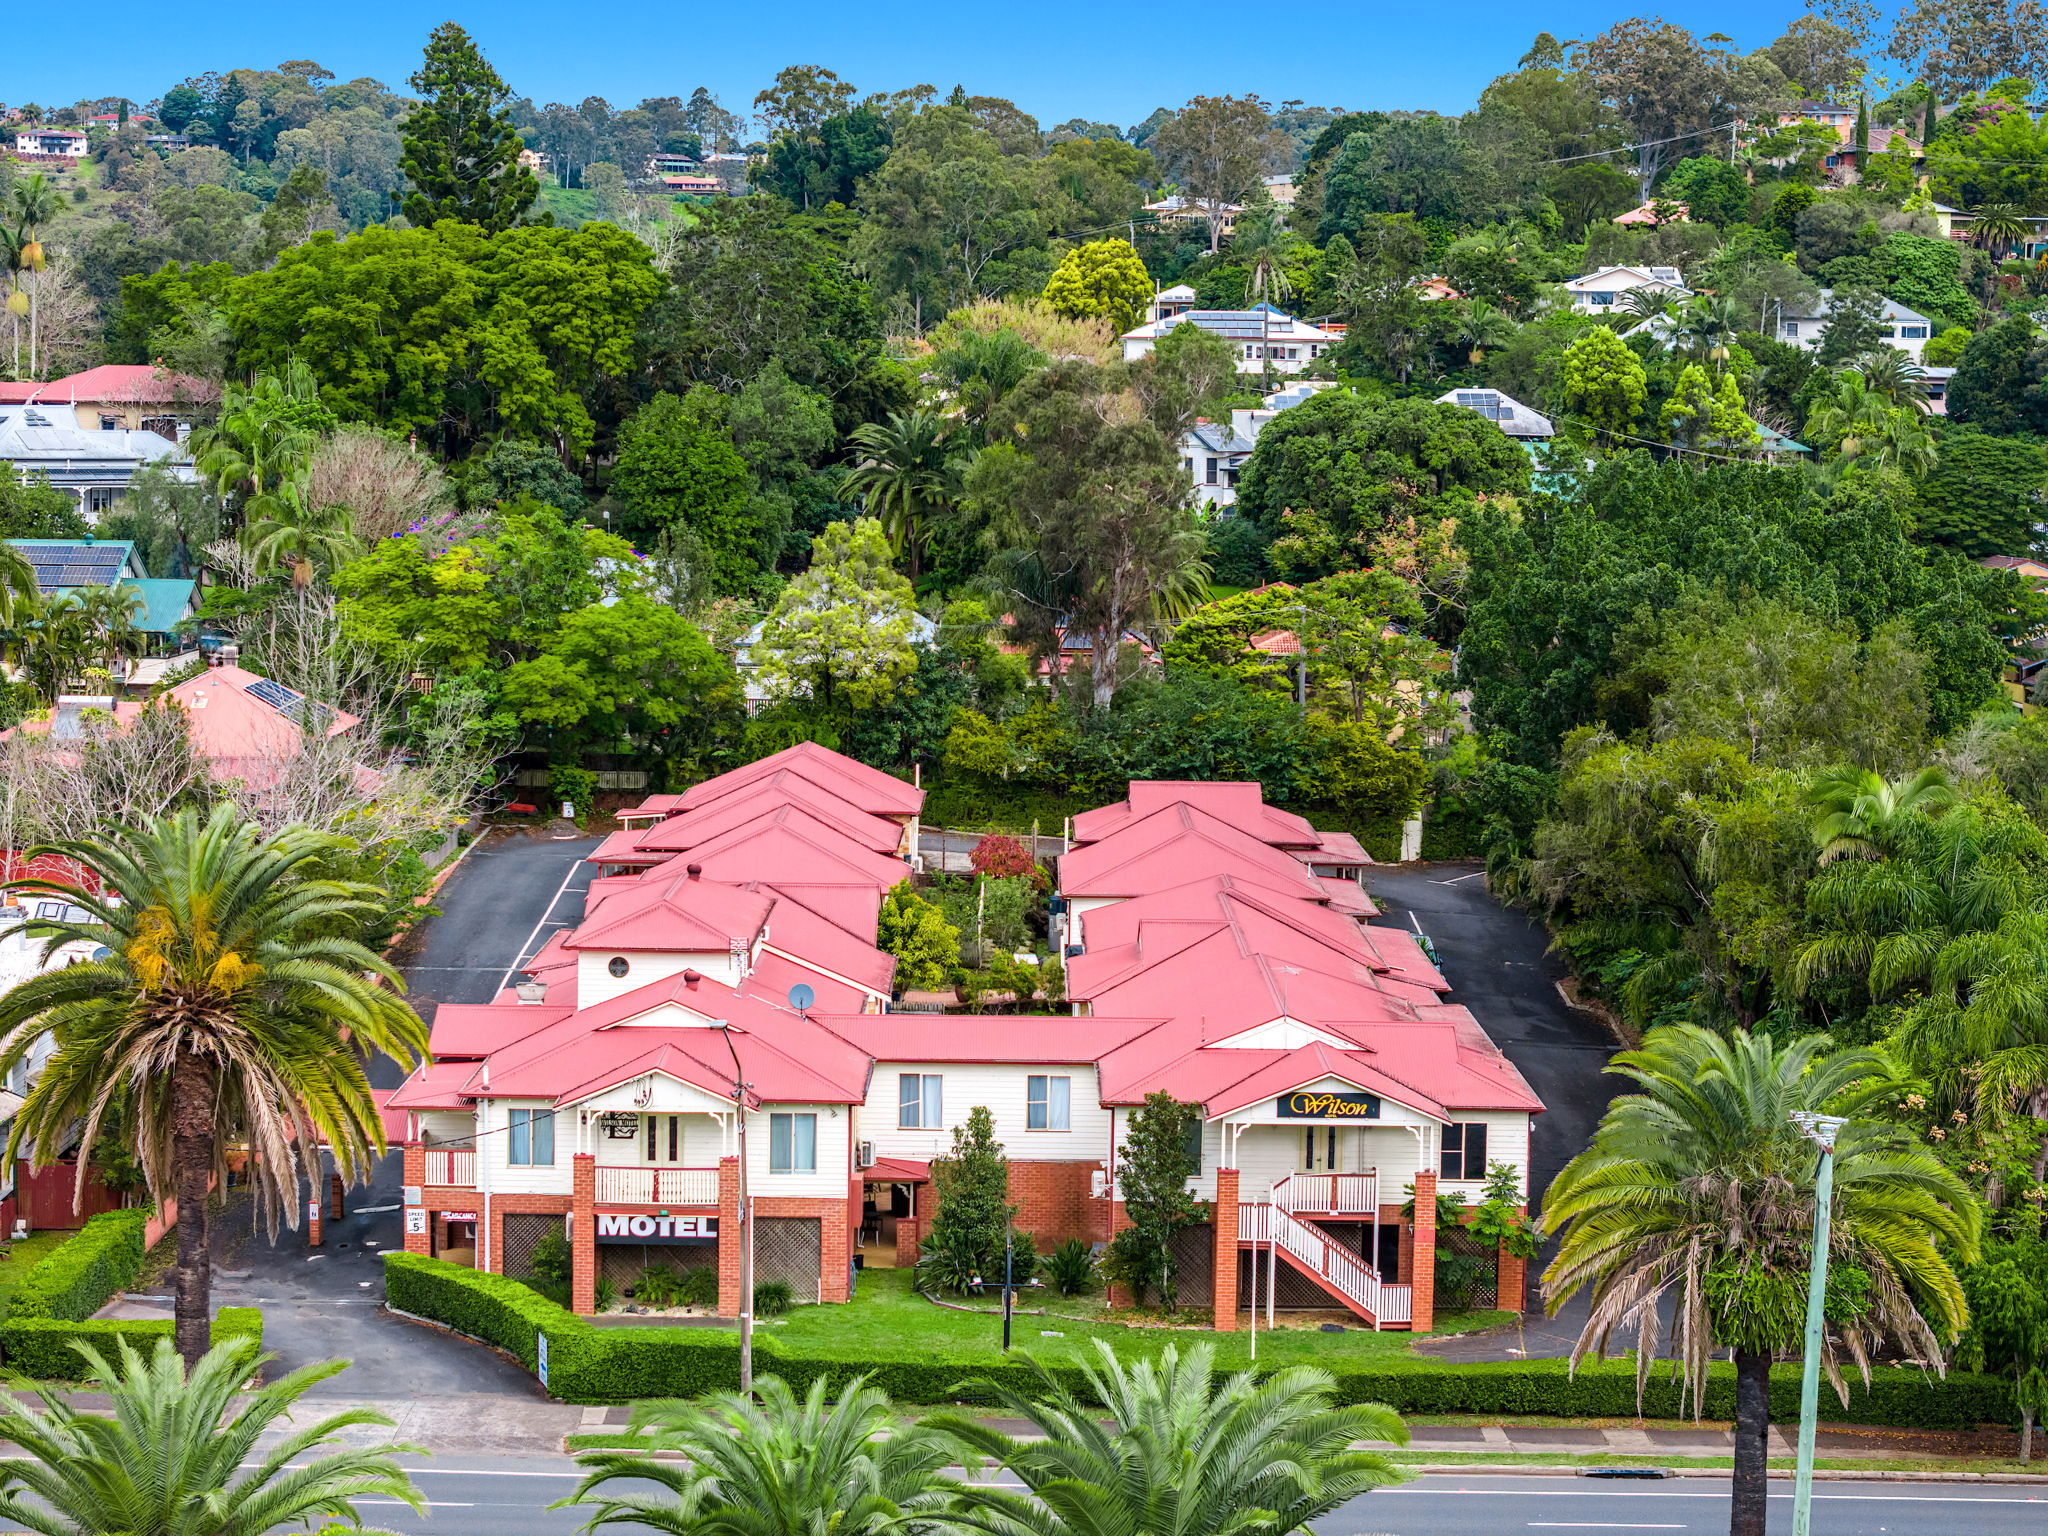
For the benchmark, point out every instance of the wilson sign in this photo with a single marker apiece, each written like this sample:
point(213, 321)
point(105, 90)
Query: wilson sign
point(1328, 1106)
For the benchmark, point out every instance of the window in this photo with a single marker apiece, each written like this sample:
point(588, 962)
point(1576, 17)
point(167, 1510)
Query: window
point(1048, 1103)
point(1464, 1155)
point(792, 1143)
point(920, 1104)
point(1600, 300)
point(1913, 332)
point(1788, 330)
point(1319, 1149)
point(110, 423)
point(532, 1138)
point(1212, 472)
point(1194, 1148)
point(618, 966)
point(675, 1127)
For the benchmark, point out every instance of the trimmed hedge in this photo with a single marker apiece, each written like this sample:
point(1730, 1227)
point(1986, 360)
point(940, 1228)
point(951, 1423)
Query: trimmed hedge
point(41, 1347)
point(593, 1364)
point(75, 1280)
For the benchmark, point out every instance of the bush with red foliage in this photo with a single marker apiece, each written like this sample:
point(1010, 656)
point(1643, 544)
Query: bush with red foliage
point(1000, 857)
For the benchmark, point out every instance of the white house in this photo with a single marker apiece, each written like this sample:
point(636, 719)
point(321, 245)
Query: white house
point(51, 143)
point(1598, 292)
point(1263, 336)
point(1902, 328)
point(95, 466)
point(1214, 453)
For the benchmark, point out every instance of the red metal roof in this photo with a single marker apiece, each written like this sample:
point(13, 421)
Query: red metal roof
point(1171, 847)
point(871, 789)
point(788, 844)
point(1240, 802)
point(757, 799)
point(671, 912)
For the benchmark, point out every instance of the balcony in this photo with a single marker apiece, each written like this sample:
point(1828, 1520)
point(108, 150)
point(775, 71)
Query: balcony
point(657, 1186)
point(1329, 1194)
point(451, 1168)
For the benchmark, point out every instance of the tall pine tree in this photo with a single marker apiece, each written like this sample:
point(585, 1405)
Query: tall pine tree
point(461, 150)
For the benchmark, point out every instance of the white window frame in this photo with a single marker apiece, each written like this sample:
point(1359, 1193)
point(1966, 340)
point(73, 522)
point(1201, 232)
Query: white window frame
point(790, 1122)
point(1045, 1103)
point(926, 1111)
point(520, 1138)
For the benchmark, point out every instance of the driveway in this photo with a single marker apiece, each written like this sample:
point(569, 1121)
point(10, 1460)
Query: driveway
point(500, 905)
point(1496, 962)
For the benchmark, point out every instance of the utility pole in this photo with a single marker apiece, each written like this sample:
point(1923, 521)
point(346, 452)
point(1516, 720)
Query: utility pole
point(739, 1115)
point(1821, 1130)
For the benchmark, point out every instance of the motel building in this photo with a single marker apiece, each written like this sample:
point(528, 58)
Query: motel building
point(721, 1025)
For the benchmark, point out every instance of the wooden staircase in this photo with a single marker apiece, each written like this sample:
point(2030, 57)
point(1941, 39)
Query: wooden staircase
point(1308, 1250)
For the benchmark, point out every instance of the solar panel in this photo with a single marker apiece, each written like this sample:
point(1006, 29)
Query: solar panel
point(276, 695)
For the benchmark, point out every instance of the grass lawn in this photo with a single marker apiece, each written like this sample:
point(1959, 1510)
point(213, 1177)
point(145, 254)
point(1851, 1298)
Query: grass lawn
point(888, 1317)
point(24, 1256)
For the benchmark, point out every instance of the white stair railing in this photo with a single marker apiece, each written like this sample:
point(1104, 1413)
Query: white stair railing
point(1351, 1276)
point(1331, 1194)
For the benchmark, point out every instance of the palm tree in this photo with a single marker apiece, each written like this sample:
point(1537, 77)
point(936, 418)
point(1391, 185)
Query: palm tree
point(1998, 225)
point(1261, 246)
point(1185, 1453)
point(769, 1465)
point(1902, 441)
point(33, 203)
point(183, 1453)
point(282, 531)
point(907, 471)
point(1861, 809)
point(227, 1008)
point(1700, 1189)
point(18, 589)
point(1848, 416)
point(984, 367)
point(1892, 374)
point(109, 614)
point(261, 439)
point(1707, 328)
point(52, 640)
point(1481, 326)
point(1647, 303)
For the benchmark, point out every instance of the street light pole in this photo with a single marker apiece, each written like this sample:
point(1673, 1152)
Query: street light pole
point(1820, 1130)
point(746, 1213)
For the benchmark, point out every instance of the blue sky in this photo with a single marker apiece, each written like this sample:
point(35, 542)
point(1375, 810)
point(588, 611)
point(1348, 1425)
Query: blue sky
point(1055, 58)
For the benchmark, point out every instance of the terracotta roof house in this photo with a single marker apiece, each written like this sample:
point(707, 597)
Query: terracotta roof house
point(728, 1004)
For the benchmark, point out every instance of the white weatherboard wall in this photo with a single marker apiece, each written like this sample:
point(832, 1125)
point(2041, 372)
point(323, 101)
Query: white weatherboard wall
point(596, 984)
point(439, 1127)
point(1004, 1091)
point(835, 1153)
point(495, 1170)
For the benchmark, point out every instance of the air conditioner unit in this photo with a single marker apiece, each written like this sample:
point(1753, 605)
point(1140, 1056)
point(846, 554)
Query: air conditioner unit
point(864, 1154)
point(1098, 1183)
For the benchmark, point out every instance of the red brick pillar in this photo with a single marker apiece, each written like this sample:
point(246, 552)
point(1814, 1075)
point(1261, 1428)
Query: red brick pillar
point(316, 1225)
point(1422, 1272)
point(835, 1254)
point(729, 1237)
point(336, 1208)
point(582, 1234)
point(1119, 1219)
point(415, 1176)
point(1226, 1250)
point(1511, 1278)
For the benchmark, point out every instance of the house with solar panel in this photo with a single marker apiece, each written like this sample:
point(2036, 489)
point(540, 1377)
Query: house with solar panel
point(1263, 337)
point(96, 466)
point(68, 565)
point(1214, 453)
point(1504, 411)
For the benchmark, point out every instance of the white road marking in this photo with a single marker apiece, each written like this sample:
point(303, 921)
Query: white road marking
point(1658, 1493)
point(1592, 1525)
point(1460, 880)
point(506, 980)
point(374, 1210)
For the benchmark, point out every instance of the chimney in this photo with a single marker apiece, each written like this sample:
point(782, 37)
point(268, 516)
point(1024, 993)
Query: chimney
point(694, 871)
point(691, 978)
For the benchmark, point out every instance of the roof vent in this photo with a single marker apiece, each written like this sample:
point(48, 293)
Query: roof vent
point(532, 992)
point(691, 978)
point(694, 871)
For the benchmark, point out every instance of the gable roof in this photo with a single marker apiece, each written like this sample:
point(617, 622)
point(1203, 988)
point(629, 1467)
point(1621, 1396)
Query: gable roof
point(1240, 802)
point(679, 833)
point(674, 912)
point(1171, 847)
point(871, 789)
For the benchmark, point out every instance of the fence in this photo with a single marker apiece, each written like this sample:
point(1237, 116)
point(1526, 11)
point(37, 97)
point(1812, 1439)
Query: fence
point(657, 1186)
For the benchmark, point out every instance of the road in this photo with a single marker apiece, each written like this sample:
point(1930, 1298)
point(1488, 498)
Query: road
point(508, 1497)
point(1497, 962)
point(499, 906)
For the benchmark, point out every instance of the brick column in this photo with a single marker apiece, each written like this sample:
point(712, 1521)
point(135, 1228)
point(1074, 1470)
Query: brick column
point(1422, 1271)
point(1116, 1295)
point(415, 1176)
point(336, 1206)
point(316, 1224)
point(1226, 1250)
point(1511, 1278)
point(729, 1237)
point(583, 1234)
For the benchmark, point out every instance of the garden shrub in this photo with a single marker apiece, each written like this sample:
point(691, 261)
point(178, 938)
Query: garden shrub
point(41, 1348)
point(589, 1364)
point(772, 1298)
point(75, 1280)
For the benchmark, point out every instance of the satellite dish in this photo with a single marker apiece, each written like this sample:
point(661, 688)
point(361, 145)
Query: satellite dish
point(801, 997)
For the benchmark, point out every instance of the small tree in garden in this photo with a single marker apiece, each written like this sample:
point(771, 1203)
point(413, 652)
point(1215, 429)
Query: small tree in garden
point(1159, 1154)
point(2008, 1333)
point(1499, 1221)
point(973, 1219)
point(1001, 856)
point(925, 945)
